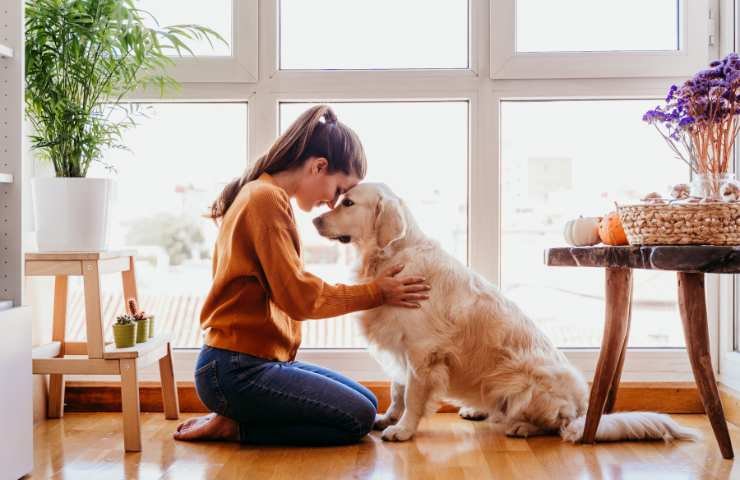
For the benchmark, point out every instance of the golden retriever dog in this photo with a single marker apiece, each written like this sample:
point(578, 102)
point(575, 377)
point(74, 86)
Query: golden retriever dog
point(467, 344)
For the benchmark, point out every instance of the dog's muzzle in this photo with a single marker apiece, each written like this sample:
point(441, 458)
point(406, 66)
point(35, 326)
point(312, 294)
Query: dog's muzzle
point(318, 222)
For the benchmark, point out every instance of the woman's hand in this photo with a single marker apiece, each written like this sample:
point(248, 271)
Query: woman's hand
point(402, 291)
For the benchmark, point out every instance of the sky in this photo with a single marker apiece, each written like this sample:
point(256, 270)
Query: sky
point(215, 14)
point(354, 34)
point(596, 25)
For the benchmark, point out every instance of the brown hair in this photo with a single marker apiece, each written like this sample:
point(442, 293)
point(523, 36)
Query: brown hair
point(316, 133)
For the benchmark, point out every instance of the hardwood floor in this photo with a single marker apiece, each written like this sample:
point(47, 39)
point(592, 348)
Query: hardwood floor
point(90, 445)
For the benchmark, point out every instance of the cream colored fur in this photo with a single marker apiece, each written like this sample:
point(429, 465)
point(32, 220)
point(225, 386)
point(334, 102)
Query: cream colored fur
point(467, 344)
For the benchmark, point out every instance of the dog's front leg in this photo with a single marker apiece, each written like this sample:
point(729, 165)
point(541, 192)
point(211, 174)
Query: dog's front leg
point(419, 388)
point(395, 410)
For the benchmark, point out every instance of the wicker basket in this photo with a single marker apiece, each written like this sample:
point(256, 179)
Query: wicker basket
point(711, 223)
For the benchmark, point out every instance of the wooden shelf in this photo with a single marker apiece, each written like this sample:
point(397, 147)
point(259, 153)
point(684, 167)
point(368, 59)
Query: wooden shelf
point(156, 344)
point(70, 256)
point(5, 51)
point(6, 178)
point(153, 349)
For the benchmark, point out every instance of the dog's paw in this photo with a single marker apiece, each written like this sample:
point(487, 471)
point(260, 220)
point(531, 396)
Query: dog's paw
point(397, 433)
point(470, 413)
point(523, 429)
point(383, 421)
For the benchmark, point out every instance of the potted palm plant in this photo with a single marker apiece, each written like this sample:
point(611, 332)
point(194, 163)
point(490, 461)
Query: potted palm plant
point(81, 58)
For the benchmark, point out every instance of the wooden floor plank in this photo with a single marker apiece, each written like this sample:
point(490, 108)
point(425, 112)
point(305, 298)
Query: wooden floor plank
point(90, 445)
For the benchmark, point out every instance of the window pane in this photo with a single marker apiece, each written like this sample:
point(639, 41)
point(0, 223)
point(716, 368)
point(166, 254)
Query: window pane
point(431, 177)
point(373, 34)
point(587, 155)
point(214, 14)
point(596, 25)
point(180, 159)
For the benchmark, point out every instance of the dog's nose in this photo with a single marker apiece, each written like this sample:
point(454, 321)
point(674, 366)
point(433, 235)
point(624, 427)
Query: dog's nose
point(318, 222)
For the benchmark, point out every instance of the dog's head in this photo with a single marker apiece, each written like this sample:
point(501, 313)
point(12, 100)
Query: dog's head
point(368, 214)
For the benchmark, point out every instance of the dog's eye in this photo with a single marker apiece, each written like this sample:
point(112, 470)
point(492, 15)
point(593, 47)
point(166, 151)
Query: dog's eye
point(347, 202)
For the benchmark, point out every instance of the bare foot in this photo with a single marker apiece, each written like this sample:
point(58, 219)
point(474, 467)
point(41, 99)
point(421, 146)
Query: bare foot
point(207, 427)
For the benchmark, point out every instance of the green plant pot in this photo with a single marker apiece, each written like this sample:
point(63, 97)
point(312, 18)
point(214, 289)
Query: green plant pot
point(142, 330)
point(124, 335)
point(151, 326)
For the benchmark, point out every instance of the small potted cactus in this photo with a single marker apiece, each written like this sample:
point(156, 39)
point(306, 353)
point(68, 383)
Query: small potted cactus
point(124, 331)
point(141, 319)
point(151, 325)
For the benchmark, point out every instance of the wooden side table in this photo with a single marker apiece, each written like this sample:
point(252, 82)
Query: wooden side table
point(691, 262)
point(94, 357)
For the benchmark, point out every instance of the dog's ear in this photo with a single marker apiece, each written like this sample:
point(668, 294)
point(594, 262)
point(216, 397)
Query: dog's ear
point(390, 224)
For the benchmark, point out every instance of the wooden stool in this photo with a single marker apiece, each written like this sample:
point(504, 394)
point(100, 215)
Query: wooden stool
point(101, 359)
point(691, 262)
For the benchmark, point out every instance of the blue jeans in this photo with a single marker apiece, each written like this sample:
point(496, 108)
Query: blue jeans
point(283, 403)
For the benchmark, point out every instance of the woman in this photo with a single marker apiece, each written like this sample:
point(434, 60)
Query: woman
point(246, 373)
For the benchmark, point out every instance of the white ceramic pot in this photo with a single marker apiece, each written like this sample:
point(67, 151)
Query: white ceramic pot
point(72, 214)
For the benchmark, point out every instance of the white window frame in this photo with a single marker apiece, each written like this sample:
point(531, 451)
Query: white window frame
point(484, 95)
point(239, 67)
point(507, 63)
point(729, 291)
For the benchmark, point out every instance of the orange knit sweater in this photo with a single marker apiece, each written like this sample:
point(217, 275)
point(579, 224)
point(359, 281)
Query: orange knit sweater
point(259, 287)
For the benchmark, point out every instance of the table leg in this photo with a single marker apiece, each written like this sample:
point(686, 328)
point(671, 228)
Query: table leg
point(611, 399)
point(128, 278)
point(692, 303)
point(55, 404)
point(130, 405)
point(616, 327)
point(169, 387)
point(93, 309)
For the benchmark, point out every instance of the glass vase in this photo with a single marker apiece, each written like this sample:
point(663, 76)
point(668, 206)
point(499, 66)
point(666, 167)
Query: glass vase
point(709, 186)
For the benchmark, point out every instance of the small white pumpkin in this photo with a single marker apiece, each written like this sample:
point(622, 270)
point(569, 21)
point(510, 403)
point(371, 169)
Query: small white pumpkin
point(582, 231)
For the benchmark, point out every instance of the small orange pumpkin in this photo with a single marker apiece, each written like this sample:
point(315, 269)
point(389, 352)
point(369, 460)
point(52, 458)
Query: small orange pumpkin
point(611, 231)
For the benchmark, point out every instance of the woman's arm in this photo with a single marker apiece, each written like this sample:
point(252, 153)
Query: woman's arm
point(301, 294)
point(269, 223)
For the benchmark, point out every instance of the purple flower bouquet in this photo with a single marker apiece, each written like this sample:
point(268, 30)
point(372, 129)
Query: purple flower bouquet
point(699, 120)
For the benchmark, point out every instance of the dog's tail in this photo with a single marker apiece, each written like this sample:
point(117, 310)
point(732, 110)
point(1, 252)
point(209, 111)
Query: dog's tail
point(631, 426)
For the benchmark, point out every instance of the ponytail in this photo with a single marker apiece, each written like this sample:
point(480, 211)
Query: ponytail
point(316, 133)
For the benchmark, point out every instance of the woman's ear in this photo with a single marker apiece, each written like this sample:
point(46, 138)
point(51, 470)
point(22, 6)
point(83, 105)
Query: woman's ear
point(390, 224)
point(319, 165)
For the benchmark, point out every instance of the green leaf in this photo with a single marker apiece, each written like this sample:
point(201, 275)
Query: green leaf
point(81, 58)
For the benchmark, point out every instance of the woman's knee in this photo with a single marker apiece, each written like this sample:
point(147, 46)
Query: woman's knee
point(374, 400)
point(368, 394)
point(209, 389)
point(364, 417)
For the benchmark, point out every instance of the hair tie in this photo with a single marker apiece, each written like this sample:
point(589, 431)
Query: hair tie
point(329, 118)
